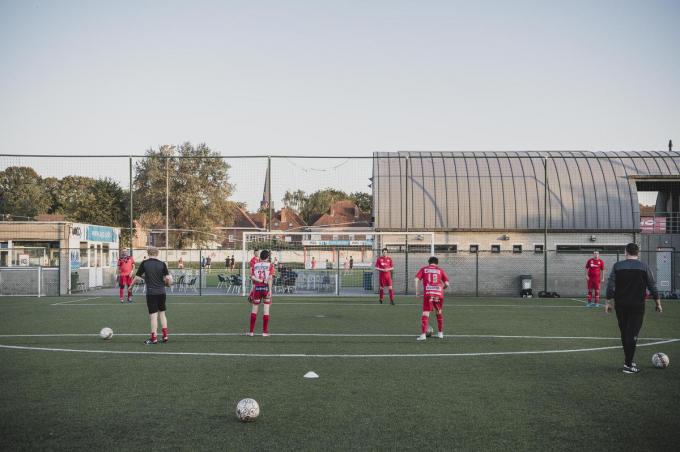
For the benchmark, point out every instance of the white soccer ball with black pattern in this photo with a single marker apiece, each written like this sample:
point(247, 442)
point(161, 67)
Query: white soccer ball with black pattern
point(660, 360)
point(247, 410)
point(106, 333)
point(430, 331)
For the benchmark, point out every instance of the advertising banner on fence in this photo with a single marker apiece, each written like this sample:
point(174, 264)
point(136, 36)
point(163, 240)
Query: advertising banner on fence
point(653, 225)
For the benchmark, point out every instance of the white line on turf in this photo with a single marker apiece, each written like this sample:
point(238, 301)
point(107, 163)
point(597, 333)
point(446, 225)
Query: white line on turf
point(305, 355)
point(473, 336)
point(77, 299)
point(576, 299)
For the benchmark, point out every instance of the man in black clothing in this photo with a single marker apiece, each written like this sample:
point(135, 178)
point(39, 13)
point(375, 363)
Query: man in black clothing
point(627, 285)
point(156, 276)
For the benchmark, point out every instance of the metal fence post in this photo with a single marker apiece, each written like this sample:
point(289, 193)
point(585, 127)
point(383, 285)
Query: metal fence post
point(477, 273)
point(200, 272)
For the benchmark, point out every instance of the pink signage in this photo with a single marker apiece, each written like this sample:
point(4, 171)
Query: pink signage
point(651, 225)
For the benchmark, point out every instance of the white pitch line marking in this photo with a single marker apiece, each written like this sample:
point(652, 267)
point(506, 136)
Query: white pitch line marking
point(73, 301)
point(472, 336)
point(305, 355)
point(576, 299)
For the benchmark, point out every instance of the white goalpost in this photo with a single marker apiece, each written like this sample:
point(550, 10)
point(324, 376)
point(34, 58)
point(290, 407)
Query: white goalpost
point(337, 262)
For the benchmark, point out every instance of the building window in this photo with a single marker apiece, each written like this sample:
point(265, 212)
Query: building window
point(453, 248)
point(230, 238)
point(105, 256)
point(495, 248)
point(83, 255)
point(474, 248)
point(538, 249)
point(517, 249)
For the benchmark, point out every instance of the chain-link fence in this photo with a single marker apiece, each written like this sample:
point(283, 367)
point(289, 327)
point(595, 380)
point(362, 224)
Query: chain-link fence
point(75, 213)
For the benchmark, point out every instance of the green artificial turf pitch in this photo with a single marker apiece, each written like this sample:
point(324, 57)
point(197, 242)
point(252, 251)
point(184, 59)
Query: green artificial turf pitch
point(478, 389)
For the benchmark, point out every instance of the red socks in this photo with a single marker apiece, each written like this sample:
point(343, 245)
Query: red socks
point(153, 337)
point(424, 320)
point(391, 295)
point(440, 322)
point(265, 324)
point(165, 333)
point(253, 317)
point(382, 294)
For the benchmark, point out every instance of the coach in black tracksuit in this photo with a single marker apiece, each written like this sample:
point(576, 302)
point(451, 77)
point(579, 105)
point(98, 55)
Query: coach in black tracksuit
point(627, 284)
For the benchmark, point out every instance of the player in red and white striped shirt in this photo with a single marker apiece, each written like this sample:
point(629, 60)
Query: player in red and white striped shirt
point(434, 281)
point(262, 275)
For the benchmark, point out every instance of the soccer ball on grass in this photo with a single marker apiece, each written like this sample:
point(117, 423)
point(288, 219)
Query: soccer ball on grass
point(247, 410)
point(430, 331)
point(106, 333)
point(660, 360)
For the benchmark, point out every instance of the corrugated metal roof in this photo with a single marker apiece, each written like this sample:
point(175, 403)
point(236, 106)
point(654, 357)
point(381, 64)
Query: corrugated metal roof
point(590, 191)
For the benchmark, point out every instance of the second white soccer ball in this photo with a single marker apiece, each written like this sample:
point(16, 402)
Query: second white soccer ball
point(430, 331)
point(660, 360)
point(247, 410)
point(106, 333)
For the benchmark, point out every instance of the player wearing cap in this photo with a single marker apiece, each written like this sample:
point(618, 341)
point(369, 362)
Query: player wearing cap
point(434, 281)
point(125, 270)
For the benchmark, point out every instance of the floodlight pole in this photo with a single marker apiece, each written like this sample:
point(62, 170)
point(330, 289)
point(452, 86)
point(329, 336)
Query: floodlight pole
point(167, 196)
point(545, 224)
point(131, 216)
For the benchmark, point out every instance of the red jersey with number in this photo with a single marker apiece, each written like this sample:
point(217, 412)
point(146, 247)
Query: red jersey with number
point(433, 279)
point(125, 265)
point(262, 270)
point(595, 267)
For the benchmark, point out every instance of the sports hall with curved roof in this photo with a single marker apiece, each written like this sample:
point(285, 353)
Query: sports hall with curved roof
point(506, 191)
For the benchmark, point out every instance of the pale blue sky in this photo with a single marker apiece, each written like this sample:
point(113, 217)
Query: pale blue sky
point(338, 78)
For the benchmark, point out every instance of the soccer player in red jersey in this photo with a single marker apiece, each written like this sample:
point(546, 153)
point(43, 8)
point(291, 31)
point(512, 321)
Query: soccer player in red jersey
point(434, 281)
point(384, 265)
point(262, 274)
point(254, 259)
point(126, 268)
point(594, 277)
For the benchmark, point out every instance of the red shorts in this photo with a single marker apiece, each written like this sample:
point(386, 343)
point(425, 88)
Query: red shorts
point(260, 294)
point(125, 280)
point(431, 303)
point(594, 284)
point(385, 279)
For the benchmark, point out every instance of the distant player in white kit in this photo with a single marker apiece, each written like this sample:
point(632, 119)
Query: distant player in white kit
point(262, 275)
point(434, 281)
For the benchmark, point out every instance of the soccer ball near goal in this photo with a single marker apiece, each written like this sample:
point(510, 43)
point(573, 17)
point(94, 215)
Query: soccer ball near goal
point(106, 333)
point(660, 360)
point(247, 410)
point(168, 280)
point(430, 331)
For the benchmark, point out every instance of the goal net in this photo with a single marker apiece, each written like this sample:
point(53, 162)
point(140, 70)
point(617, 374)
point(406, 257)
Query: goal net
point(337, 262)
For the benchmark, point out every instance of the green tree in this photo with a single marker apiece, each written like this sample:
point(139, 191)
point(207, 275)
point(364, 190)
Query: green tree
point(314, 205)
point(21, 193)
point(88, 200)
point(198, 194)
point(363, 200)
